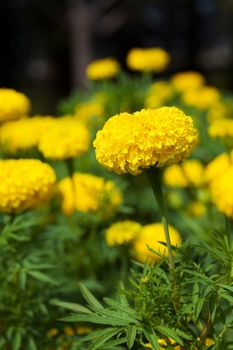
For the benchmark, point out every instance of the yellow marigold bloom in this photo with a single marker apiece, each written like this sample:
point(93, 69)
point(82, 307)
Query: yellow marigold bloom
point(105, 68)
point(122, 232)
point(151, 235)
point(218, 166)
point(196, 209)
point(83, 330)
point(130, 142)
point(24, 184)
point(221, 190)
point(222, 128)
point(159, 94)
point(187, 80)
point(163, 344)
point(89, 193)
point(13, 105)
point(89, 112)
point(148, 59)
point(217, 111)
point(52, 332)
point(189, 173)
point(67, 138)
point(25, 133)
point(202, 98)
point(69, 331)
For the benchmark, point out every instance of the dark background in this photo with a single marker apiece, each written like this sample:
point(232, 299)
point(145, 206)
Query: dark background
point(46, 44)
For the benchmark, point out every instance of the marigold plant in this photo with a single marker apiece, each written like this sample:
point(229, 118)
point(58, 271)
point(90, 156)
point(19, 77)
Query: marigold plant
point(105, 68)
point(148, 59)
point(13, 105)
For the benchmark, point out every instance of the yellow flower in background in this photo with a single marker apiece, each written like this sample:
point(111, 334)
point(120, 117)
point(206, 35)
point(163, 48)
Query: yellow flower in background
point(187, 80)
point(222, 128)
point(159, 93)
point(196, 209)
point(13, 105)
point(217, 111)
point(218, 166)
point(105, 68)
point(221, 190)
point(89, 193)
point(24, 184)
point(52, 332)
point(122, 232)
point(89, 112)
point(148, 59)
point(67, 138)
point(189, 173)
point(151, 235)
point(130, 142)
point(203, 98)
point(25, 133)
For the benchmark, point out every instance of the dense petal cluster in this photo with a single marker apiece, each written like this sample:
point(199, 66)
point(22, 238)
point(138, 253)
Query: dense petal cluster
point(67, 138)
point(25, 133)
point(151, 235)
point(189, 173)
point(13, 105)
point(105, 68)
point(203, 98)
point(222, 128)
point(89, 193)
point(218, 166)
point(187, 80)
point(122, 232)
point(222, 192)
point(24, 184)
point(159, 94)
point(148, 59)
point(130, 142)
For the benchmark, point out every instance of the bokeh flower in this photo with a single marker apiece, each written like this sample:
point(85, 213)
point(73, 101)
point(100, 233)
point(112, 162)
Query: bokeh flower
point(13, 105)
point(105, 68)
point(25, 133)
point(184, 81)
point(218, 166)
point(24, 184)
point(89, 193)
point(148, 59)
point(222, 128)
point(122, 232)
point(66, 139)
point(159, 94)
point(130, 142)
point(90, 112)
point(151, 235)
point(189, 173)
point(196, 209)
point(203, 98)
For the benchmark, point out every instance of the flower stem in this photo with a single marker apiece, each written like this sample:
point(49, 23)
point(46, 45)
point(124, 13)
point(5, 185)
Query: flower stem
point(157, 187)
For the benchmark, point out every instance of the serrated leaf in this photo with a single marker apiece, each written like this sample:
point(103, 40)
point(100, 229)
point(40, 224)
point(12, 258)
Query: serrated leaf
point(40, 276)
point(125, 309)
point(183, 334)
point(103, 338)
point(170, 333)
point(96, 319)
point(227, 297)
point(71, 306)
point(230, 288)
point(131, 335)
point(151, 337)
point(90, 298)
point(114, 343)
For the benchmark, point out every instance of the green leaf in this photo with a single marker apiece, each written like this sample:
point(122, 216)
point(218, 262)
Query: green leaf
point(32, 344)
point(131, 335)
point(227, 297)
point(17, 340)
point(151, 337)
point(112, 344)
point(40, 276)
point(90, 298)
point(230, 288)
point(103, 338)
point(96, 319)
point(183, 334)
point(198, 307)
point(71, 306)
point(124, 308)
point(170, 333)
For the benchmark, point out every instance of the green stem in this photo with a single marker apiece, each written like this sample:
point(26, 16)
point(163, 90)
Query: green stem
point(155, 177)
point(69, 163)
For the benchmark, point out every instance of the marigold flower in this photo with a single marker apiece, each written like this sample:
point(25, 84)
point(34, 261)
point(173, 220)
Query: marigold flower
point(128, 143)
point(159, 94)
point(25, 133)
point(89, 112)
point(66, 139)
point(13, 105)
point(148, 60)
point(189, 173)
point(203, 98)
point(221, 190)
point(196, 209)
point(151, 235)
point(105, 68)
point(187, 80)
point(89, 193)
point(24, 184)
point(122, 232)
point(222, 128)
point(217, 111)
point(218, 166)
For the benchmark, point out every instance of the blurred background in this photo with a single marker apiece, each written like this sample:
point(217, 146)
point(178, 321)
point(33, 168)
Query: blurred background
point(46, 45)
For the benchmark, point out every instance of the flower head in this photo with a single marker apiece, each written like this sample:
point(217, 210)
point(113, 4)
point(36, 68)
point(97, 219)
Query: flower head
point(122, 232)
point(25, 133)
point(218, 166)
point(222, 128)
point(65, 139)
point(89, 112)
point(151, 235)
point(105, 68)
point(128, 143)
point(148, 59)
point(187, 80)
point(159, 94)
point(13, 105)
point(203, 98)
point(24, 184)
point(89, 193)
